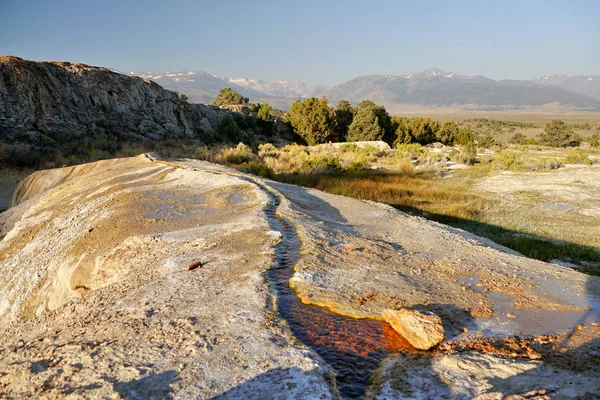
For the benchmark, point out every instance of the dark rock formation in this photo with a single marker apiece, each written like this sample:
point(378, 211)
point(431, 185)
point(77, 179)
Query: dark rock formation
point(61, 101)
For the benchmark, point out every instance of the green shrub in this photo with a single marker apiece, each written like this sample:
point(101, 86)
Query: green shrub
point(412, 150)
point(256, 168)
point(509, 161)
point(371, 151)
point(577, 157)
point(267, 150)
point(467, 155)
point(235, 155)
point(203, 153)
point(357, 165)
point(228, 96)
point(518, 138)
point(229, 129)
point(348, 148)
point(321, 164)
point(486, 142)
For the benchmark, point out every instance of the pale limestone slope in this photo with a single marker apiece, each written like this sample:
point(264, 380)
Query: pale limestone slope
point(97, 302)
point(95, 299)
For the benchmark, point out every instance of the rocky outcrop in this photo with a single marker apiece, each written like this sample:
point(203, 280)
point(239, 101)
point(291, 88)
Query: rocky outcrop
point(55, 101)
point(422, 330)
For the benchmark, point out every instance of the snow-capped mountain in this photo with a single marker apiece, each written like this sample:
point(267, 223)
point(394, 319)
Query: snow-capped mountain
point(584, 84)
point(291, 88)
point(202, 87)
point(437, 88)
point(432, 87)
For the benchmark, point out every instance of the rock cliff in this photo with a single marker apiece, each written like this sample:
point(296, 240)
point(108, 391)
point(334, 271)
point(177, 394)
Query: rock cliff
point(54, 101)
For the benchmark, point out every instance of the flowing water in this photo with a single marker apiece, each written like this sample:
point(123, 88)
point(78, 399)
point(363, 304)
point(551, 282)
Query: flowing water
point(354, 348)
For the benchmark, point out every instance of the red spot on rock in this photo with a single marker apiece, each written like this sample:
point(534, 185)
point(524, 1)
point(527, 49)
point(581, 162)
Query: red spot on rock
point(193, 266)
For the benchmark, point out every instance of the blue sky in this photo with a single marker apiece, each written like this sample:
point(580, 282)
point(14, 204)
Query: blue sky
point(315, 41)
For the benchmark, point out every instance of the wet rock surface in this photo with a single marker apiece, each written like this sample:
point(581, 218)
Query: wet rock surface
point(96, 299)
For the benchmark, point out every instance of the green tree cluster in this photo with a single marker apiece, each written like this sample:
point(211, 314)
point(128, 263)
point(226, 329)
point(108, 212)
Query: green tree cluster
point(557, 133)
point(229, 97)
point(371, 122)
point(313, 120)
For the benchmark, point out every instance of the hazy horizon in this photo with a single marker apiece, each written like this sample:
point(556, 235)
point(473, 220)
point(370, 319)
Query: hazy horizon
point(315, 42)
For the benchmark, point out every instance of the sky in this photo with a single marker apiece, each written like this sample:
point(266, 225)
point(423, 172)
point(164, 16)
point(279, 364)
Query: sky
point(315, 41)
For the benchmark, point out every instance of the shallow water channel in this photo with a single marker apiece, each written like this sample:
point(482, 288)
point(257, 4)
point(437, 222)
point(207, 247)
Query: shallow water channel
point(354, 348)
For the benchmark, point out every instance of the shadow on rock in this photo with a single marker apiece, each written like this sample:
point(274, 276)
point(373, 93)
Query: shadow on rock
point(311, 205)
point(564, 365)
point(288, 383)
point(153, 386)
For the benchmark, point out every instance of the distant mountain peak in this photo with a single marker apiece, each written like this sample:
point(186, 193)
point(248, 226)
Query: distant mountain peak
point(588, 85)
point(436, 72)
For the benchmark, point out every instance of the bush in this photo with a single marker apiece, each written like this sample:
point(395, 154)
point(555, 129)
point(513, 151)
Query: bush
point(203, 153)
point(228, 96)
point(267, 150)
point(229, 129)
point(508, 161)
point(312, 119)
point(321, 164)
point(348, 148)
point(577, 157)
point(486, 142)
point(412, 150)
point(467, 155)
point(21, 155)
point(358, 165)
point(406, 167)
point(238, 155)
point(256, 168)
point(557, 133)
point(518, 138)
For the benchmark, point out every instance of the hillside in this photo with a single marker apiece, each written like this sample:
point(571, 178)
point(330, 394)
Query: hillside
point(432, 88)
point(202, 87)
point(291, 88)
point(43, 102)
point(435, 88)
point(588, 85)
point(199, 86)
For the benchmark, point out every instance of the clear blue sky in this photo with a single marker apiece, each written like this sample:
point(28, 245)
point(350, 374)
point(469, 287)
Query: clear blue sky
point(315, 41)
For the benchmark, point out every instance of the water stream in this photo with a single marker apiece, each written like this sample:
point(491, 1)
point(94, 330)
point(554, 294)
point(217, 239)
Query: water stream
point(354, 348)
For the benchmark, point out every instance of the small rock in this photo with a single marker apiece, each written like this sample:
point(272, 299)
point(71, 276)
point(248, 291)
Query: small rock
point(511, 316)
point(422, 330)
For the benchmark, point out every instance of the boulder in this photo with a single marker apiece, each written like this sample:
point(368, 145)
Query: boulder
point(423, 330)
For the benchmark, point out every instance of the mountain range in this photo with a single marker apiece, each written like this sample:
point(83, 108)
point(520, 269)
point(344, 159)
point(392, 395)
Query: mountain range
point(202, 87)
point(431, 88)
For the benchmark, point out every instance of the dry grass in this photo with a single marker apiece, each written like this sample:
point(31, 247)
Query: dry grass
point(424, 192)
point(453, 201)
